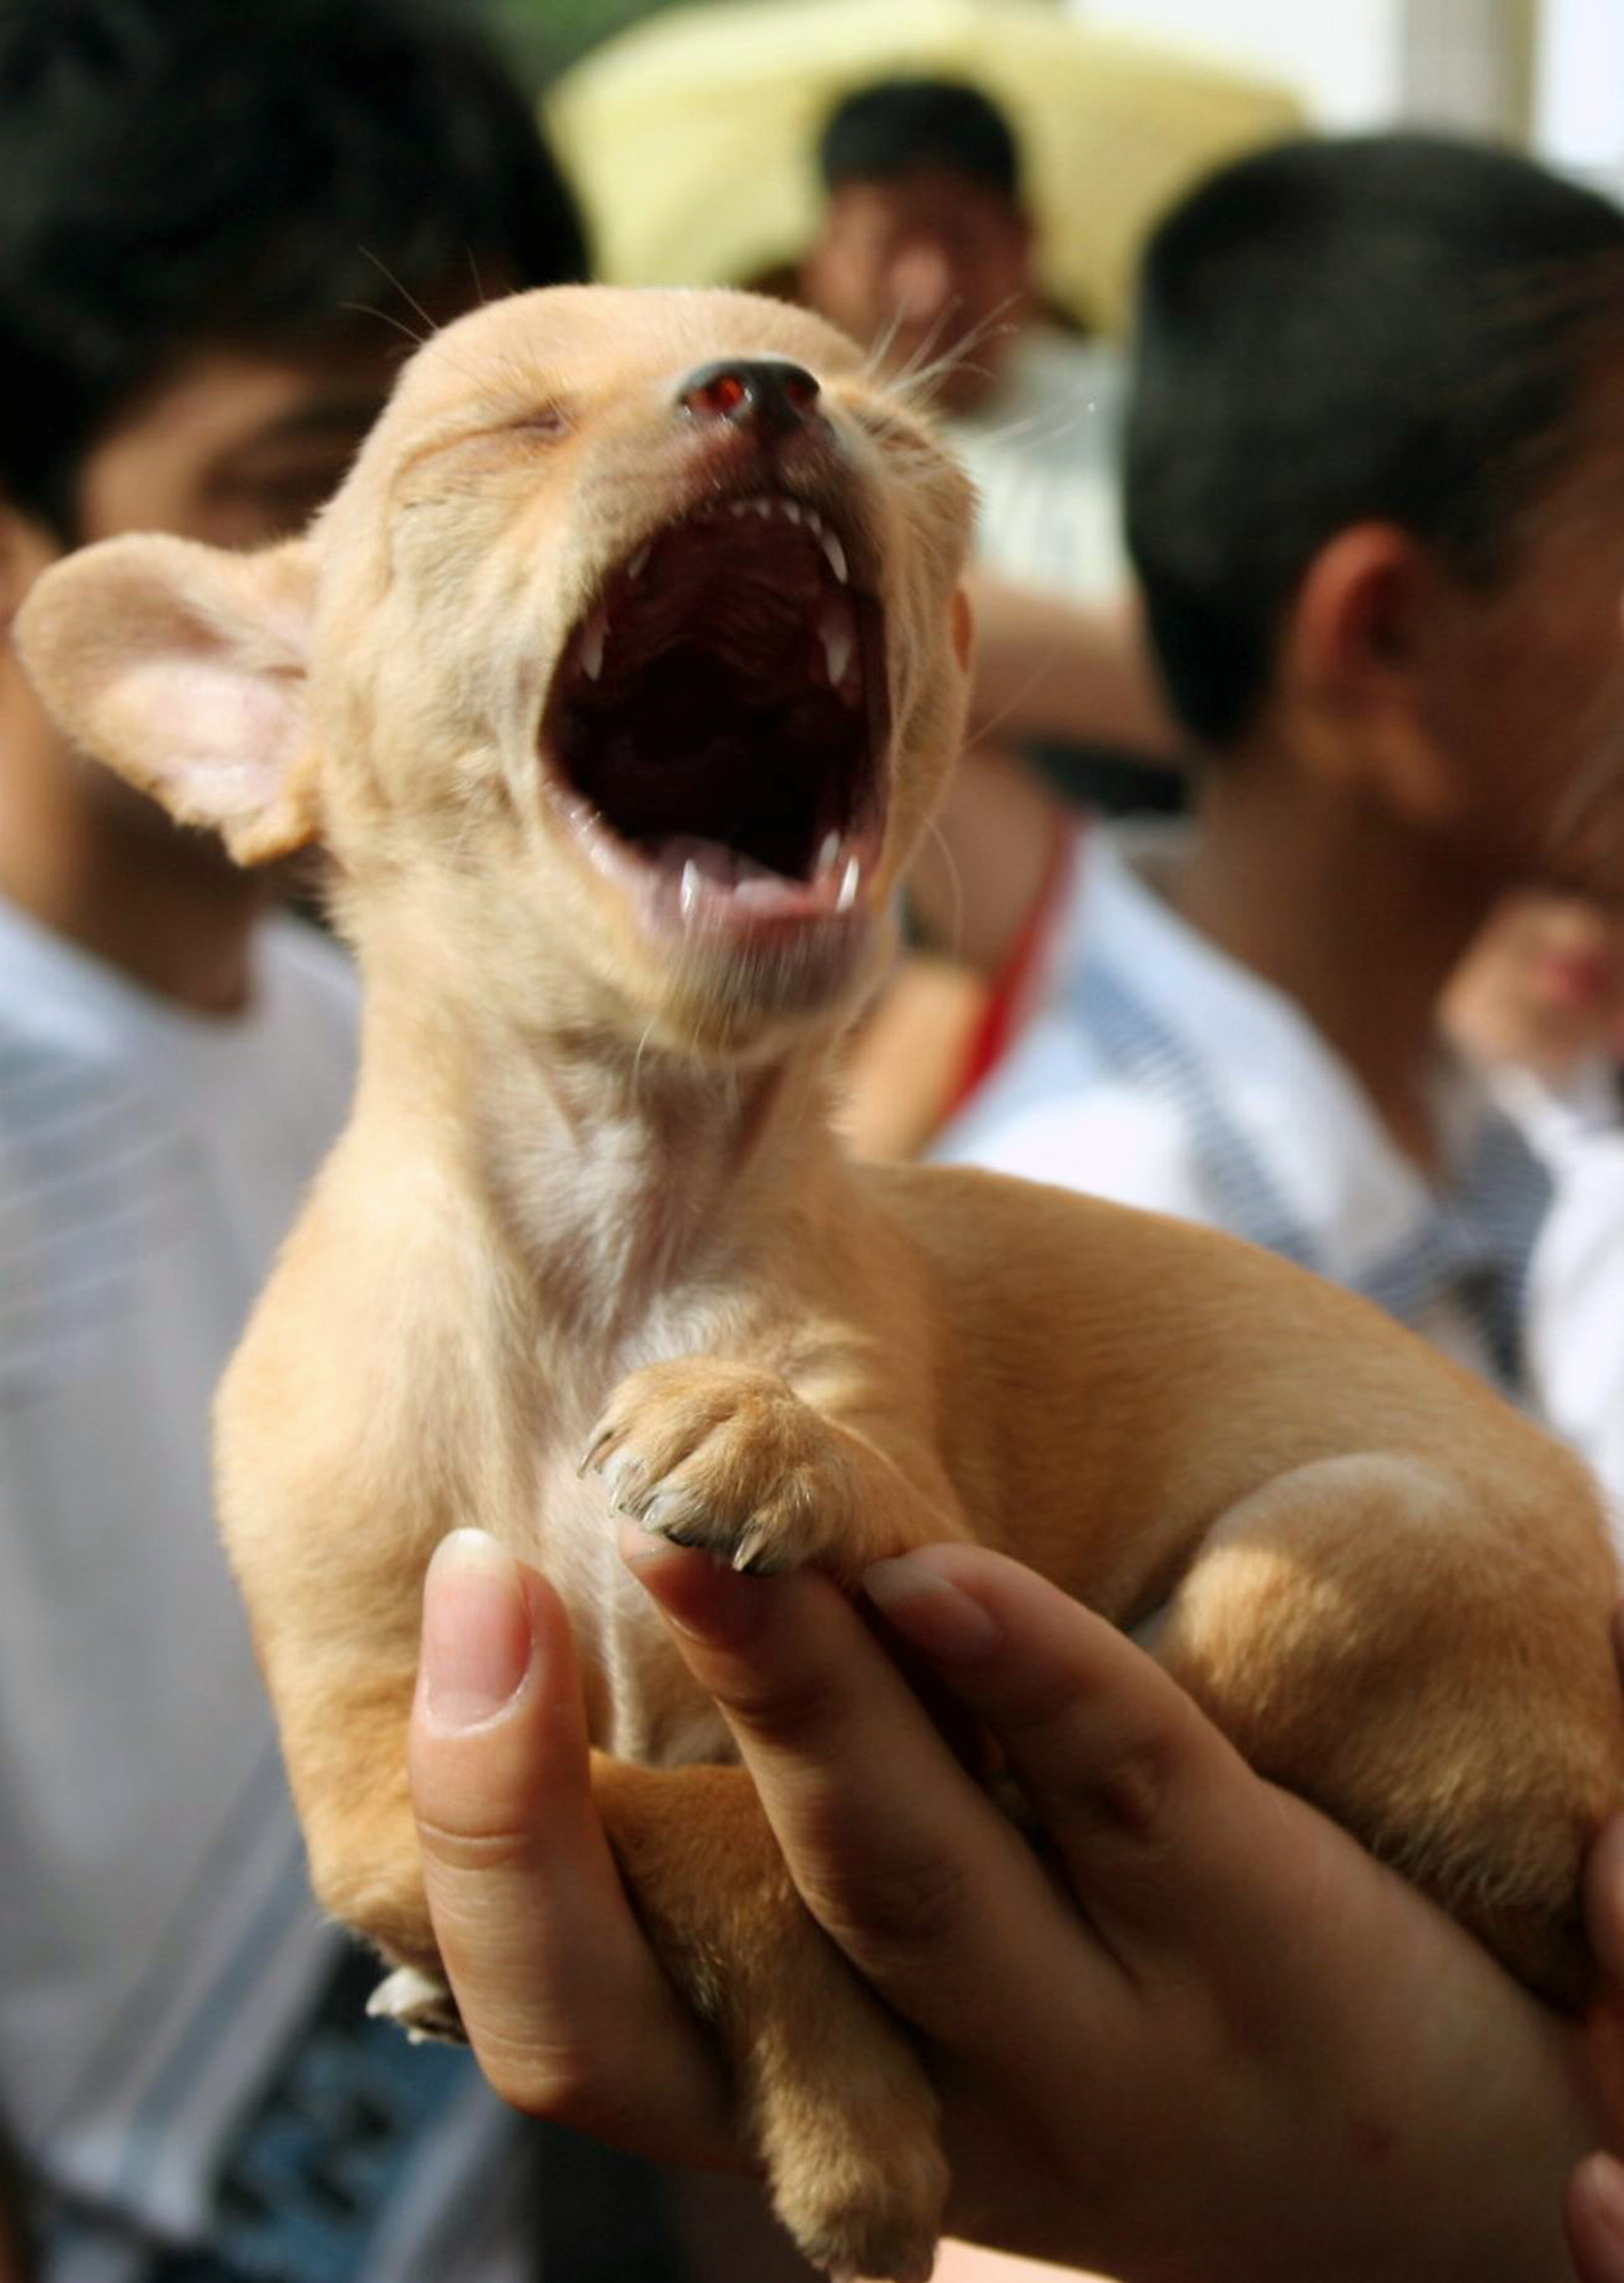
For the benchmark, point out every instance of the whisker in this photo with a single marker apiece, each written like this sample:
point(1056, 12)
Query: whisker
point(385, 317)
point(933, 831)
point(405, 293)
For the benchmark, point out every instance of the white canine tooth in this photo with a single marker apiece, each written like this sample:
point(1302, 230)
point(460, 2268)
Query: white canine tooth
point(638, 565)
point(829, 855)
point(848, 896)
point(763, 508)
point(739, 507)
point(688, 894)
point(592, 644)
point(834, 554)
point(792, 510)
point(834, 632)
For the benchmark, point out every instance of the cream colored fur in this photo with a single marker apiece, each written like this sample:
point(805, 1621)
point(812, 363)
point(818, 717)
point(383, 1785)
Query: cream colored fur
point(588, 1201)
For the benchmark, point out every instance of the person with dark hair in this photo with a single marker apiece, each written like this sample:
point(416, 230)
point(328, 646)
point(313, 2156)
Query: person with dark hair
point(925, 253)
point(1375, 498)
point(217, 225)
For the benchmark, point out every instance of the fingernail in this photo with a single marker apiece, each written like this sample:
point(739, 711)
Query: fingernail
point(930, 1611)
point(476, 1630)
point(699, 1593)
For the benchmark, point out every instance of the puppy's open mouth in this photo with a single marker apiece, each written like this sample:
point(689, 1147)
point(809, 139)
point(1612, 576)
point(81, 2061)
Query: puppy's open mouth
point(717, 720)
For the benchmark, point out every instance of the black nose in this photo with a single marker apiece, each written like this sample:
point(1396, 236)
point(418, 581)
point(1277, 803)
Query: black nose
point(767, 392)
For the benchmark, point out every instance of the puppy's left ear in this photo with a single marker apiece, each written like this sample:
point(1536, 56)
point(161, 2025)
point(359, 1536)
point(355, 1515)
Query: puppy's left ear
point(183, 667)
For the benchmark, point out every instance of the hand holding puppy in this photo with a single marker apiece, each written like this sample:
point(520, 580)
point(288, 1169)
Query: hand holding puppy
point(1226, 2037)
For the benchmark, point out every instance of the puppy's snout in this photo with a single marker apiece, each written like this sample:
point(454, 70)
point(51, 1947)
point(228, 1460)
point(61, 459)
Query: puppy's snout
point(768, 393)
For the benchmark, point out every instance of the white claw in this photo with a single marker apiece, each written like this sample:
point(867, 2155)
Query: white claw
point(848, 896)
point(834, 554)
point(592, 645)
point(688, 894)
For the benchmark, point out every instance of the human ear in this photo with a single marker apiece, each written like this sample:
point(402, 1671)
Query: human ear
point(183, 667)
point(1360, 650)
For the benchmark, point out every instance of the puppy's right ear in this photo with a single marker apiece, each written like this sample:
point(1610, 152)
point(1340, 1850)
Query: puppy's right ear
point(183, 667)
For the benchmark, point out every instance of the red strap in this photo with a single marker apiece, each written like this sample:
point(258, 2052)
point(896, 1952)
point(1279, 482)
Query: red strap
point(1015, 985)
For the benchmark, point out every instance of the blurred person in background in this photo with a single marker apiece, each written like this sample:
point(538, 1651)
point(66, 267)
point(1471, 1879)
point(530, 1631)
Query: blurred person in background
point(1538, 1002)
point(926, 254)
point(219, 232)
point(1374, 494)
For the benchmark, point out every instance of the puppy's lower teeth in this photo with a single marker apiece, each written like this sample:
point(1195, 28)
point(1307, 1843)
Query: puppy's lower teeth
point(837, 634)
point(688, 894)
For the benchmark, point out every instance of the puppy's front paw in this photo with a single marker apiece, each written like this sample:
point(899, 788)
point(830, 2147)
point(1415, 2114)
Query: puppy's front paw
point(721, 1455)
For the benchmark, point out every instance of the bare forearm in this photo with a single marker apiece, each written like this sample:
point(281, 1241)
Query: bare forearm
point(1044, 667)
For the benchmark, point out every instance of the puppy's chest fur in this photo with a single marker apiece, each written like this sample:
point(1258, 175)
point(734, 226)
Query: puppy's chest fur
point(626, 1269)
point(641, 1703)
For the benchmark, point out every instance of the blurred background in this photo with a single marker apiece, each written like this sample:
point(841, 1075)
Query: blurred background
point(688, 124)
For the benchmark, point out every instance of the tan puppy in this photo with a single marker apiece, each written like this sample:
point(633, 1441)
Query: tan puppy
point(620, 680)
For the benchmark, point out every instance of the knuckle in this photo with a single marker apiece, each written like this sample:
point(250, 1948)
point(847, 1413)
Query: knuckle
point(1127, 1793)
point(559, 2083)
point(906, 1904)
point(794, 1713)
point(465, 1849)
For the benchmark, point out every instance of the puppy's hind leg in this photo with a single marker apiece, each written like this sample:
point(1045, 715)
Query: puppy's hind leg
point(832, 2094)
point(1387, 1637)
point(343, 1740)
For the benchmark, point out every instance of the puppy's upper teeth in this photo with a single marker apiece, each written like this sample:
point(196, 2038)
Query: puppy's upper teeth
point(834, 554)
point(849, 883)
point(792, 508)
point(638, 565)
point(592, 644)
point(829, 855)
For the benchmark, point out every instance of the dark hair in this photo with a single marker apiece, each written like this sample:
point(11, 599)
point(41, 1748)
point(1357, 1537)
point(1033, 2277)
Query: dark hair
point(1396, 327)
point(898, 126)
point(179, 174)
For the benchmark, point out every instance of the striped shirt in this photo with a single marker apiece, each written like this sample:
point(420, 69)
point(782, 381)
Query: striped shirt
point(1156, 1070)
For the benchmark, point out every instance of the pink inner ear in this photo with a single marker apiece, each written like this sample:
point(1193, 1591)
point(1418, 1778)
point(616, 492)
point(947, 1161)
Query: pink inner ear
point(222, 736)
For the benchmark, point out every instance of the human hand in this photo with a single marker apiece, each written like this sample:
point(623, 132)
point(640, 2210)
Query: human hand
point(1223, 2042)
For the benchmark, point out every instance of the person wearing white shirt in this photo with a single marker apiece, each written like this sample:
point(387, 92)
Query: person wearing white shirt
point(1376, 512)
point(190, 2088)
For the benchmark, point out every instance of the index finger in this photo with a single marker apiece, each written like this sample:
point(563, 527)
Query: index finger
point(898, 1853)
